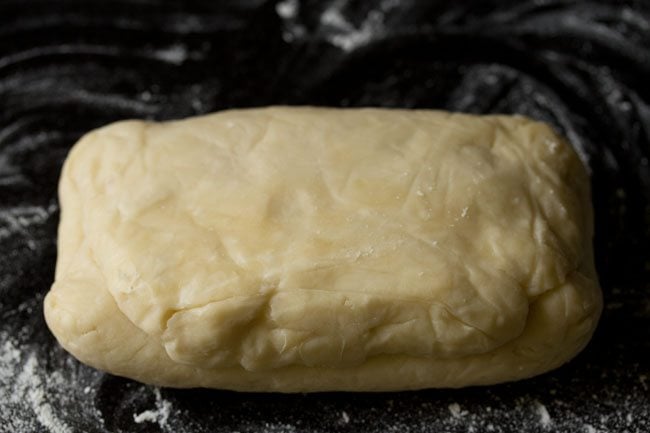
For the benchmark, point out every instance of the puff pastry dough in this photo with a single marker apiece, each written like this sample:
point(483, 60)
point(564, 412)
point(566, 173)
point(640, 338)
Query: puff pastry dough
point(311, 249)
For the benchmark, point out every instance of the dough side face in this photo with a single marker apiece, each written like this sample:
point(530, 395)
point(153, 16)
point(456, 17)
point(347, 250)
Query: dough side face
point(314, 249)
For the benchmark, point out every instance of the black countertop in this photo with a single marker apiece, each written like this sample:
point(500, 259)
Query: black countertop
point(67, 67)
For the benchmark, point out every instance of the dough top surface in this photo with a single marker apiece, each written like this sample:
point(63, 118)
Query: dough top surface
point(319, 237)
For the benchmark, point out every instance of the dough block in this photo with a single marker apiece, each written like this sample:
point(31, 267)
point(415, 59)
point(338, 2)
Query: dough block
point(315, 249)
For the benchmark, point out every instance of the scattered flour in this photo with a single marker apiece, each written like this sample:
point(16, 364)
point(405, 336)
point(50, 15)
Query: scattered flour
point(335, 27)
point(21, 385)
point(19, 218)
point(10, 356)
point(345, 417)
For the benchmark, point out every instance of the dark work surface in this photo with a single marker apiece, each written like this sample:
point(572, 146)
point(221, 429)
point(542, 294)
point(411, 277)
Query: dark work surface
point(68, 67)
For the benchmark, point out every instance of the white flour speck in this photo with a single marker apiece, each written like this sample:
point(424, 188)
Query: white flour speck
point(340, 32)
point(147, 415)
point(160, 414)
point(454, 408)
point(345, 417)
point(287, 9)
point(334, 18)
point(345, 35)
point(175, 54)
point(544, 417)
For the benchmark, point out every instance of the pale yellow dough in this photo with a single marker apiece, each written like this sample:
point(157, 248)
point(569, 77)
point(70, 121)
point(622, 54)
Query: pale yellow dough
point(312, 249)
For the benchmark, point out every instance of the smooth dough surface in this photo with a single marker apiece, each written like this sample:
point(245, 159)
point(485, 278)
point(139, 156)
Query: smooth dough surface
point(311, 249)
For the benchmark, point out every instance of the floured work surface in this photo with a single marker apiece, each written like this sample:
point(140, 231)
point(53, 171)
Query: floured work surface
point(304, 249)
